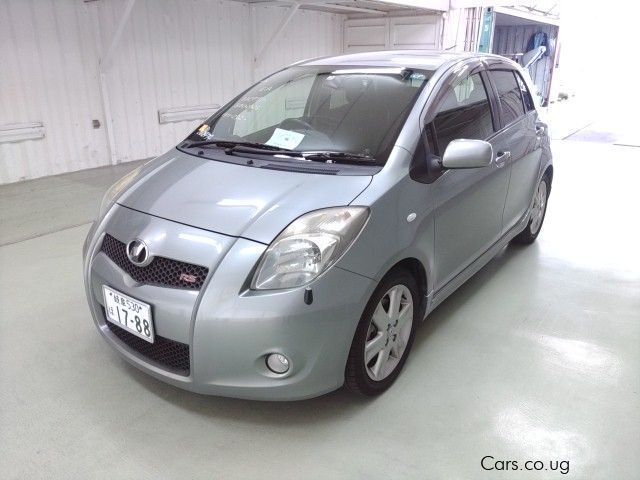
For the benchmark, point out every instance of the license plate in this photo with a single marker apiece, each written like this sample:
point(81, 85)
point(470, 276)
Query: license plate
point(128, 313)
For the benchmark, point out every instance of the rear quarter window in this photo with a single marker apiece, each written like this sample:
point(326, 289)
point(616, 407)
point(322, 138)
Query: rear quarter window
point(526, 94)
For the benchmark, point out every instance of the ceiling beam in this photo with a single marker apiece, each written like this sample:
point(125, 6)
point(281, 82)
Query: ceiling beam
point(325, 4)
point(550, 20)
point(346, 8)
point(440, 5)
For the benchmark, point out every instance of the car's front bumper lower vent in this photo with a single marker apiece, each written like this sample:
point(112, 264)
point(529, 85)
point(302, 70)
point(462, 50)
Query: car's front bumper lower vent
point(167, 353)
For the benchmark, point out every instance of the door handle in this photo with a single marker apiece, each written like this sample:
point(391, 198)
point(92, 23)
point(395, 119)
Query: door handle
point(540, 130)
point(502, 158)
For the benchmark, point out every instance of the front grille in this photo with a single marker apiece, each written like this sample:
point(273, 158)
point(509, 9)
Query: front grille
point(161, 271)
point(166, 353)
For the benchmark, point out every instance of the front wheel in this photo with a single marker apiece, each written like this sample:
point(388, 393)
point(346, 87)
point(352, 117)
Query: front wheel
point(538, 211)
point(384, 335)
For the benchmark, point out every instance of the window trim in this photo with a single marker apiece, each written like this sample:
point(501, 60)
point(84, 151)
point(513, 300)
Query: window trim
point(493, 102)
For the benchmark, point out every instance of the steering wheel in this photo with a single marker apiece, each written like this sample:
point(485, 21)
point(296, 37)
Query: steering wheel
point(295, 124)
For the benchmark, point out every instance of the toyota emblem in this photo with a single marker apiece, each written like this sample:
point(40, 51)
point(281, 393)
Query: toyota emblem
point(138, 253)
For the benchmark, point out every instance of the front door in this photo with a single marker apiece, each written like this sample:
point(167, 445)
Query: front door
point(468, 218)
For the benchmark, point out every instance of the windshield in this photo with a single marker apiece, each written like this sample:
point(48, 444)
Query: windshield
point(355, 110)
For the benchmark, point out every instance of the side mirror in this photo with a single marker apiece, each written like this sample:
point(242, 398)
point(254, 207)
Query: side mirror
point(465, 153)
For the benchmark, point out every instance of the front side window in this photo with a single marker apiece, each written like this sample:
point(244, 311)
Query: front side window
point(509, 94)
point(464, 112)
point(322, 108)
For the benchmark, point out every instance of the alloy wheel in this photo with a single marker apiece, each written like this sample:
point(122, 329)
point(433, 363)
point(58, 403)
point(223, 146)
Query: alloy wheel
point(538, 208)
point(389, 332)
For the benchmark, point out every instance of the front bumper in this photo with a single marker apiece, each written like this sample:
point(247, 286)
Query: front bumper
point(229, 329)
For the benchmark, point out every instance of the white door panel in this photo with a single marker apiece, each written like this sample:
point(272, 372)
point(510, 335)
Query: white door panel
point(365, 35)
point(395, 33)
point(417, 32)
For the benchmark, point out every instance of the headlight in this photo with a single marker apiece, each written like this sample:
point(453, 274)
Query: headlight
point(116, 189)
point(308, 246)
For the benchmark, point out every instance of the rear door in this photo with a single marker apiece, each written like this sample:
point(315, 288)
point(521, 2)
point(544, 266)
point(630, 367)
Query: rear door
point(518, 141)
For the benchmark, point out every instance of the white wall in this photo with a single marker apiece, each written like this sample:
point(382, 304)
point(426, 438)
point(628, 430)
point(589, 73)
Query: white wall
point(48, 74)
point(310, 34)
point(173, 53)
point(460, 29)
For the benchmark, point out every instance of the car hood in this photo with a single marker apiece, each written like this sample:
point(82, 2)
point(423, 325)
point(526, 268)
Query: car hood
point(236, 200)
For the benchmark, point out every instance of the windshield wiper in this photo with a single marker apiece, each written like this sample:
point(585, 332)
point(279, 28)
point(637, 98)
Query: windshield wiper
point(331, 157)
point(232, 144)
point(260, 149)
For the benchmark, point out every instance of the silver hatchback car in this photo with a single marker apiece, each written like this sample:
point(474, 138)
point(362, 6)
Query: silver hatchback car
point(294, 242)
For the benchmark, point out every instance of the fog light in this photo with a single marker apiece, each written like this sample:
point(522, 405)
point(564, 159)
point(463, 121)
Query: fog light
point(277, 363)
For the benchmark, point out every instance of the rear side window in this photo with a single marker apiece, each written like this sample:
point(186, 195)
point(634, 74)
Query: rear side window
point(463, 113)
point(509, 93)
point(526, 95)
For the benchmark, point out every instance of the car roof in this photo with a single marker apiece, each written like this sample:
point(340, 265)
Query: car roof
point(418, 59)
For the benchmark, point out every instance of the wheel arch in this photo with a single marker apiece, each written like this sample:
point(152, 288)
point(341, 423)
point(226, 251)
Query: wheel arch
point(548, 172)
point(418, 271)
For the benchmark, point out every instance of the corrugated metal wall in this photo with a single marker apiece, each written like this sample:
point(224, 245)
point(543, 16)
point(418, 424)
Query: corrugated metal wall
point(48, 73)
point(511, 39)
point(310, 34)
point(173, 53)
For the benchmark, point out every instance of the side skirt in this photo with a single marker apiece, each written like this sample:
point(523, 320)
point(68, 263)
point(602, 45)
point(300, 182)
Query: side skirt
point(436, 298)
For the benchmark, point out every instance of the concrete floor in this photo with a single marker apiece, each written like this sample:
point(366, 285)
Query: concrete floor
point(46, 205)
point(535, 358)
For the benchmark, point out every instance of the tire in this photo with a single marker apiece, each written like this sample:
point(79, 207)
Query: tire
point(394, 338)
point(538, 212)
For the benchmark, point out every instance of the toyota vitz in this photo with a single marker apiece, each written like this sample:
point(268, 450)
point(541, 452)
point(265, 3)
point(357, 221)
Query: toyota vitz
point(294, 242)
